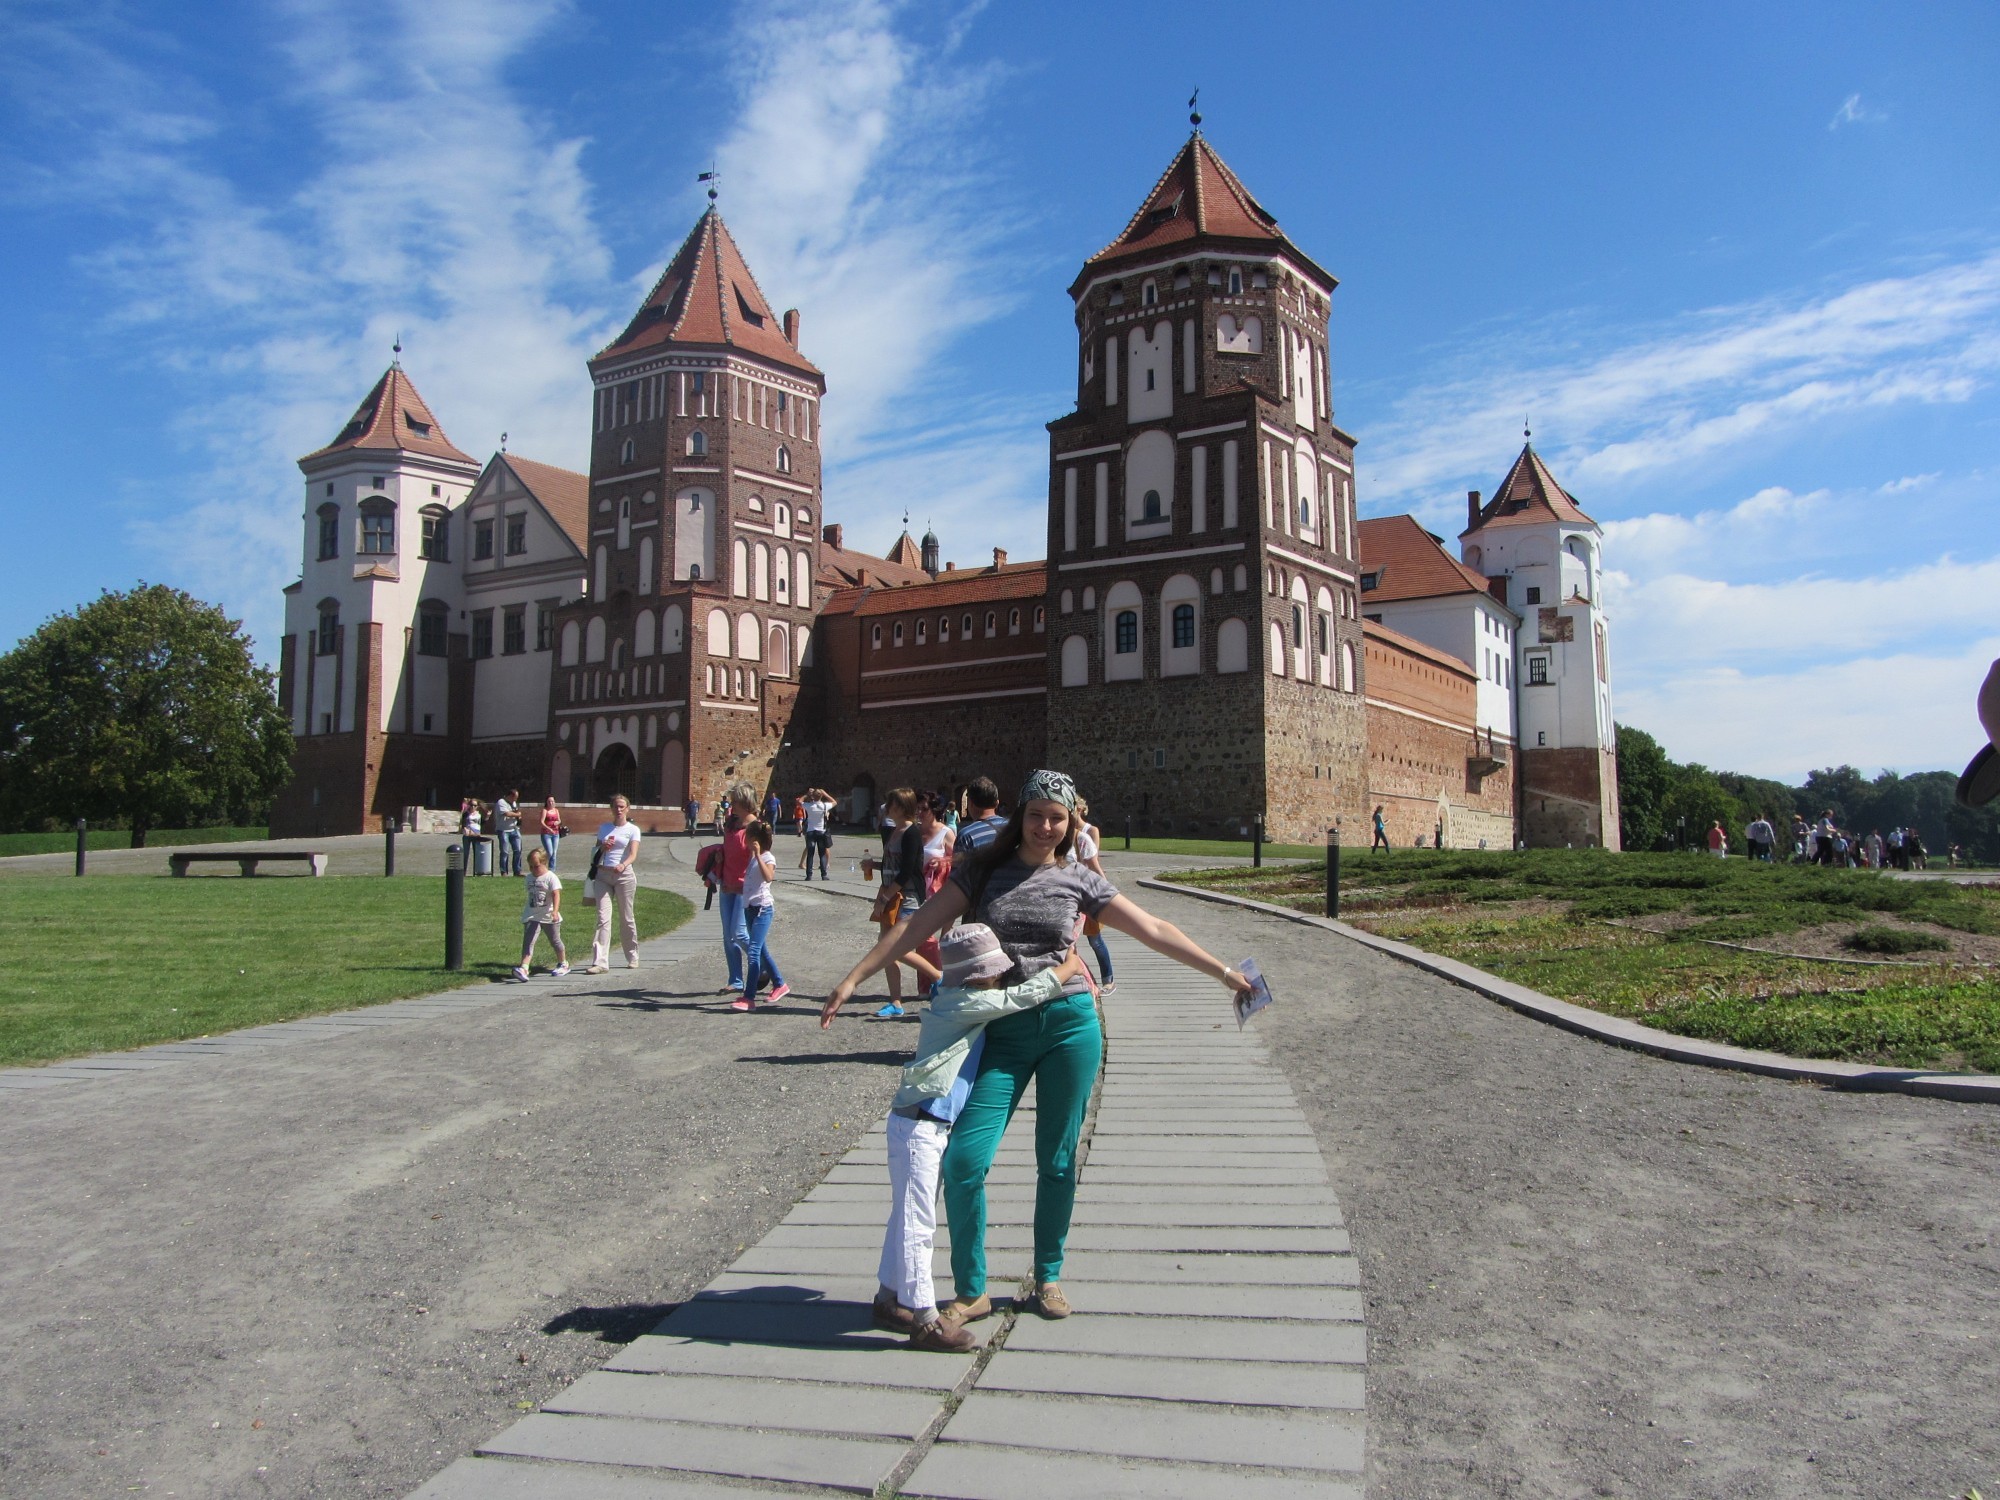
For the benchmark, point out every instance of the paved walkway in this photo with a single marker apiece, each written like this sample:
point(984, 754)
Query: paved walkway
point(1219, 1349)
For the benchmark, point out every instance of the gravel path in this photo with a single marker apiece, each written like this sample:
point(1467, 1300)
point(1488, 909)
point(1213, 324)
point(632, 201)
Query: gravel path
point(1592, 1272)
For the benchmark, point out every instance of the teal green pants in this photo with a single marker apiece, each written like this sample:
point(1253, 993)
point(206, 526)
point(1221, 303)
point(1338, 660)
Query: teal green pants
point(1059, 1044)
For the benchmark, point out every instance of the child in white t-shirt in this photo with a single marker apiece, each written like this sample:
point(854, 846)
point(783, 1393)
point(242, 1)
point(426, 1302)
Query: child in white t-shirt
point(542, 914)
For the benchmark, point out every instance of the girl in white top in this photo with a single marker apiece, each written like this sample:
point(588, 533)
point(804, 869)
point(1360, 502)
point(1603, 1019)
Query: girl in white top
point(617, 883)
point(542, 914)
point(758, 912)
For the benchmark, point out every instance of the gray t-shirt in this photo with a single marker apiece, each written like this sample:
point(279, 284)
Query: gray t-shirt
point(1033, 911)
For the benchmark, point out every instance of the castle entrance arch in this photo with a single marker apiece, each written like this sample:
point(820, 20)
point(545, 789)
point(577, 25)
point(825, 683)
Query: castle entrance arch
point(617, 770)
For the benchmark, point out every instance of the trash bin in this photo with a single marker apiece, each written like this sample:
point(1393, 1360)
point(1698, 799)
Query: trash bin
point(482, 855)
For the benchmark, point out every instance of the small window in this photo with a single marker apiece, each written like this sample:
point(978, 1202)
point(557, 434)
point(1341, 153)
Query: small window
point(1183, 626)
point(329, 531)
point(1259, 281)
point(875, 638)
point(1149, 380)
point(944, 628)
point(897, 636)
point(1150, 506)
point(430, 632)
point(1149, 296)
point(965, 628)
point(482, 540)
point(784, 457)
point(784, 401)
point(514, 631)
point(378, 531)
point(1325, 623)
point(482, 635)
point(1305, 512)
point(628, 452)
point(992, 625)
point(1538, 669)
point(1127, 632)
point(517, 535)
point(1041, 617)
point(1131, 760)
point(697, 444)
point(1013, 622)
point(1298, 626)
point(329, 631)
point(698, 382)
point(435, 541)
point(545, 627)
point(1235, 282)
point(1159, 760)
point(923, 633)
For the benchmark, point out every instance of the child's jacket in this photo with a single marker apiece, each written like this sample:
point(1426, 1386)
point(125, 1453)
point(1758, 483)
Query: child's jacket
point(954, 1018)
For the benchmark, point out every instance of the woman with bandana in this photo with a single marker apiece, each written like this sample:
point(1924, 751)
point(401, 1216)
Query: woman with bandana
point(1021, 887)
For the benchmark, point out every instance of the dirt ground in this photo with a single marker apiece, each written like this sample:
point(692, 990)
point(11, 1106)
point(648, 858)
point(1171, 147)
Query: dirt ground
point(1590, 1272)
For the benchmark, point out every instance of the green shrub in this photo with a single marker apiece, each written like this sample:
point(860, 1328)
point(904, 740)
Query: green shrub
point(1879, 939)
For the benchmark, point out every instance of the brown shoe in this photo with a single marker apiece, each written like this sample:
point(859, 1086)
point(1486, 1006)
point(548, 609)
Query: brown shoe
point(1050, 1302)
point(892, 1315)
point(943, 1336)
point(967, 1309)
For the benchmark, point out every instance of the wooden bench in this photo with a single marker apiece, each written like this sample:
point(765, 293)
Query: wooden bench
point(248, 860)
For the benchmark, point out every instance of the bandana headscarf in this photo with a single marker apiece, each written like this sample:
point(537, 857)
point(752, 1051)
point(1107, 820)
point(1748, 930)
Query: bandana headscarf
point(1048, 786)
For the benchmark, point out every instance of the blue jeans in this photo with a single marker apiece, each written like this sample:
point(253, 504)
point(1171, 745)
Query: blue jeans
point(736, 938)
point(1103, 956)
point(510, 852)
point(550, 843)
point(757, 960)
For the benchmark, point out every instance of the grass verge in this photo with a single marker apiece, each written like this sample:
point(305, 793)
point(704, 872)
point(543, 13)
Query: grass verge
point(125, 960)
point(121, 838)
point(1114, 843)
point(1538, 918)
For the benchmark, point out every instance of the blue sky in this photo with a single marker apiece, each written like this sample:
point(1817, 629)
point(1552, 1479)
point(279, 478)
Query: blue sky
point(1739, 265)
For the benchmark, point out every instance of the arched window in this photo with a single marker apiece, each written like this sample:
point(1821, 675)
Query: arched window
point(673, 629)
point(1180, 626)
point(1183, 626)
point(1041, 617)
point(625, 523)
point(1124, 654)
point(1232, 646)
point(1347, 683)
point(965, 628)
point(1215, 580)
point(778, 658)
point(1235, 281)
point(781, 575)
point(944, 629)
point(1242, 578)
point(1149, 294)
point(1089, 603)
point(1068, 601)
point(1298, 627)
point(697, 444)
point(784, 459)
point(760, 571)
point(781, 517)
point(802, 589)
point(1150, 506)
point(896, 635)
point(875, 638)
point(992, 625)
point(329, 531)
point(1305, 513)
point(1277, 649)
point(643, 632)
point(718, 632)
point(739, 582)
point(1075, 661)
point(1127, 626)
point(740, 692)
point(572, 643)
point(593, 640)
point(749, 638)
point(617, 656)
point(1013, 622)
point(923, 633)
point(627, 451)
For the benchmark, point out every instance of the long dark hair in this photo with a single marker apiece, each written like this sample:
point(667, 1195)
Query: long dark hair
point(1006, 844)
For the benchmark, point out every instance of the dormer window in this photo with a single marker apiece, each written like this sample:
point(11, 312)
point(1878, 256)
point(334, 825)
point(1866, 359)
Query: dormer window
point(697, 444)
point(421, 429)
point(750, 314)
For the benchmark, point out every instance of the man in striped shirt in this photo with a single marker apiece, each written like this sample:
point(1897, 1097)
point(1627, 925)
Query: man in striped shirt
point(983, 821)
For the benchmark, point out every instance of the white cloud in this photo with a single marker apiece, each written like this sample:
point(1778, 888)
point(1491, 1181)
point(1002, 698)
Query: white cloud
point(1853, 112)
point(1908, 482)
point(1725, 379)
point(1644, 544)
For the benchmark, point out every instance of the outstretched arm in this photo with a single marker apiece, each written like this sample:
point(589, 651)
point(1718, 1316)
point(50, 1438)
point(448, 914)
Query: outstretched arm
point(1163, 937)
point(929, 920)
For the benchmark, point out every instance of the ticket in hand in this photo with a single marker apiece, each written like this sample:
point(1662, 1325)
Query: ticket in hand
point(1248, 1002)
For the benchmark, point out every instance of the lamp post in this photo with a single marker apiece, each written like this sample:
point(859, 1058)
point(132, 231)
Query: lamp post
point(454, 907)
point(1333, 871)
point(81, 826)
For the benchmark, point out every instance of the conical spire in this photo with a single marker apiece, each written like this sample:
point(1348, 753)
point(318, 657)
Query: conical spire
point(707, 295)
point(392, 417)
point(1528, 495)
point(1198, 197)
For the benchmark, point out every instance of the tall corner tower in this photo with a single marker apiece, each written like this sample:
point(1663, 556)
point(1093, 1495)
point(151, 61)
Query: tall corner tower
point(678, 671)
point(1205, 641)
point(1535, 537)
point(380, 724)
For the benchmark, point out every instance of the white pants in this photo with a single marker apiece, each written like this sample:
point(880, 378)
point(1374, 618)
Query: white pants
point(621, 889)
point(916, 1148)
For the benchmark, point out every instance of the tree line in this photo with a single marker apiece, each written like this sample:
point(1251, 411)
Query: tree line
point(1664, 804)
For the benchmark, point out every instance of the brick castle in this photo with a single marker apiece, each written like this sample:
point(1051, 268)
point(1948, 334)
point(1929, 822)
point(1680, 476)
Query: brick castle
point(1214, 635)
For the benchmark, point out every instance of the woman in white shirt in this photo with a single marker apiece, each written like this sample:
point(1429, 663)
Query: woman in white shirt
point(617, 881)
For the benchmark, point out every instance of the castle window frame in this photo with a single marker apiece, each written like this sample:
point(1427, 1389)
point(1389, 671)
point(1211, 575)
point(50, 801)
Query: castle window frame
point(434, 534)
point(482, 634)
point(1013, 622)
point(329, 531)
point(1183, 626)
point(944, 629)
point(1538, 669)
point(1235, 281)
point(923, 633)
point(1298, 627)
point(378, 528)
point(1149, 294)
point(875, 638)
point(433, 620)
point(1041, 617)
point(1125, 632)
point(628, 451)
point(784, 455)
point(965, 626)
point(517, 534)
point(326, 640)
point(514, 630)
point(482, 541)
point(896, 633)
point(1535, 595)
point(992, 624)
point(1149, 505)
point(545, 626)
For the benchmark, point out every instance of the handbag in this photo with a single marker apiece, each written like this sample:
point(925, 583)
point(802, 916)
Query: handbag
point(590, 886)
point(888, 903)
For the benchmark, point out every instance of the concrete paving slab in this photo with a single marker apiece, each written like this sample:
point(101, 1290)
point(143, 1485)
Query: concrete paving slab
point(975, 1471)
point(1319, 1440)
point(1220, 1382)
point(1151, 1299)
point(511, 1479)
point(1082, 1267)
point(850, 1463)
point(1195, 1338)
point(1206, 1240)
point(794, 1406)
point(38, 1080)
point(1298, 1171)
point(1182, 1215)
point(1169, 1197)
point(891, 1367)
point(115, 1062)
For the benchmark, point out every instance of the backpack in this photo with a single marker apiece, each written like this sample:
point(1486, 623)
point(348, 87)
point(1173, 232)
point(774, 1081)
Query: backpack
point(708, 864)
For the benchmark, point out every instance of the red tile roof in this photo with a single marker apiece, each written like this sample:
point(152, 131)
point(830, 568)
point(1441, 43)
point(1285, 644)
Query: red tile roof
point(707, 296)
point(392, 418)
point(1023, 580)
point(1198, 197)
point(563, 493)
point(1411, 563)
point(1529, 495)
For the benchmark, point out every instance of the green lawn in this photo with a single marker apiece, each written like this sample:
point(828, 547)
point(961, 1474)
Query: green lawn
point(1114, 843)
point(123, 960)
point(1545, 918)
point(121, 838)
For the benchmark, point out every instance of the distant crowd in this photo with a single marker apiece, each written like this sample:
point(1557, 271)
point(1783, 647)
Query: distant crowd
point(1827, 843)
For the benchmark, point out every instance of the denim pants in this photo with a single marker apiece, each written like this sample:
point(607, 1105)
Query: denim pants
point(1103, 953)
point(758, 964)
point(1060, 1046)
point(510, 852)
point(550, 843)
point(736, 938)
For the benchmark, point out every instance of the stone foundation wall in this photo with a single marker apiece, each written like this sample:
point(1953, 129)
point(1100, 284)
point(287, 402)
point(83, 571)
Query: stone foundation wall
point(1569, 798)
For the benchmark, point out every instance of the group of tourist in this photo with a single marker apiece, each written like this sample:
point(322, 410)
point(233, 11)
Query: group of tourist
point(503, 818)
point(1825, 842)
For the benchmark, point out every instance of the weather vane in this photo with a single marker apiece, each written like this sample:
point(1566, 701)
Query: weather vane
point(1194, 115)
point(712, 178)
point(503, 442)
point(1527, 432)
point(396, 351)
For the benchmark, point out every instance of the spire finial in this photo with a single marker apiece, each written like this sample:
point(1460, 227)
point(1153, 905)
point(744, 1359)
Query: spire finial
point(713, 178)
point(1194, 115)
point(503, 442)
point(1527, 432)
point(396, 352)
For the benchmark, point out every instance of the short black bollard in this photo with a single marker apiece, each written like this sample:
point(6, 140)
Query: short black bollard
point(81, 826)
point(1257, 842)
point(1333, 872)
point(388, 846)
point(454, 907)
point(1128, 833)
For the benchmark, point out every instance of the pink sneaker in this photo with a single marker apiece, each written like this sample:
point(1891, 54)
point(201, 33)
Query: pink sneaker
point(778, 994)
point(741, 1002)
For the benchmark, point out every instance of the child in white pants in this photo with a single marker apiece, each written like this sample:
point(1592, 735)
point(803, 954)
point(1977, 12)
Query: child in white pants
point(935, 1086)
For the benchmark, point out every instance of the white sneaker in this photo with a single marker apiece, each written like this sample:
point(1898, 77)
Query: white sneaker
point(520, 973)
point(598, 969)
point(632, 963)
point(558, 971)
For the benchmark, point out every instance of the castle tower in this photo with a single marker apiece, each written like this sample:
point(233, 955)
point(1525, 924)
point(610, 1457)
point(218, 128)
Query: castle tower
point(677, 672)
point(380, 714)
point(1533, 540)
point(1205, 641)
